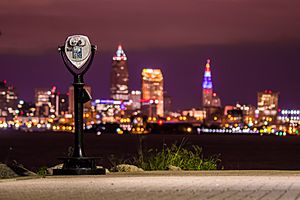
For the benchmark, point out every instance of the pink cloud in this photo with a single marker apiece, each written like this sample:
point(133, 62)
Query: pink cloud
point(37, 26)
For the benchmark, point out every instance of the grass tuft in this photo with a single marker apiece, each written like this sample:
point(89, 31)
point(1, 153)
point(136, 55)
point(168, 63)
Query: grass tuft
point(186, 159)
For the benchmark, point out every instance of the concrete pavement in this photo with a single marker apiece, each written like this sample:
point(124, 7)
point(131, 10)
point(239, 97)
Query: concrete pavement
point(283, 185)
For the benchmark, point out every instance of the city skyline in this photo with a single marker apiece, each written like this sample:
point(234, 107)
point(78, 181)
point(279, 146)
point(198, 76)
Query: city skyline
point(253, 45)
point(195, 96)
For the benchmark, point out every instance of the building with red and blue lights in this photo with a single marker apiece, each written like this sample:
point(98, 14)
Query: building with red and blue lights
point(207, 86)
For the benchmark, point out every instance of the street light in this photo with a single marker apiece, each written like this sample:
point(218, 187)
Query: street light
point(78, 54)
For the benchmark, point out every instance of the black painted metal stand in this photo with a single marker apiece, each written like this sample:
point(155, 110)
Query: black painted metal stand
point(78, 163)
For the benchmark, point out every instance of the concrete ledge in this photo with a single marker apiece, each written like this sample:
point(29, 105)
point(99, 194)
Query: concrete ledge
point(164, 185)
point(166, 173)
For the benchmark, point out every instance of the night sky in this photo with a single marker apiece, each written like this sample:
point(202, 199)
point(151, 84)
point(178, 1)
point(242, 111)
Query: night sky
point(253, 45)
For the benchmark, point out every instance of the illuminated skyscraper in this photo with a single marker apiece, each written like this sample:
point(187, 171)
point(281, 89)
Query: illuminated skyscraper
point(46, 102)
point(152, 92)
point(42, 102)
point(119, 76)
point(267, 103)
point(207, 87)
point(167, 103)
point(63, 104)
point(135, 99)
point(210, 101)
point(8, 100)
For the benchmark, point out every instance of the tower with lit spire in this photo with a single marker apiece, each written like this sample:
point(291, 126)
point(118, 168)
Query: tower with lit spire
point(119, 76)
point(207, 87)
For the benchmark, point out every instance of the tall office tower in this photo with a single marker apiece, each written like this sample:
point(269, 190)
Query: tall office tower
point(267, 103)
point(42, 102)
point(54, 101)
point(46, 102)
point(86, 107)
point(152, 92)
point(135, 99)
point(119, 76)
point(8, 100)
point(63, 103)
point(167, 103)
point(207, 87)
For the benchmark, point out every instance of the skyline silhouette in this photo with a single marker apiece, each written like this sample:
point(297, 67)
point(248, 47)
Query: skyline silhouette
point(232, 82)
